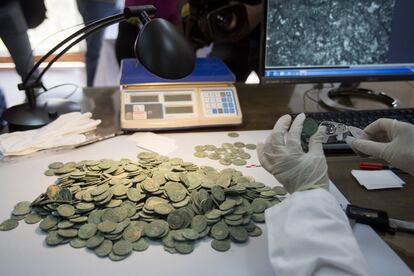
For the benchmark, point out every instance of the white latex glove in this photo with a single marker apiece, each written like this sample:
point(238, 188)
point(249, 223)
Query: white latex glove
point(392, 141)
point(285, 159)
point(67, 130)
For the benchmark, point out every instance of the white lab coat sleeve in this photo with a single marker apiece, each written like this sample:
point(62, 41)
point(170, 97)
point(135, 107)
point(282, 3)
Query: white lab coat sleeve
point(309, 234)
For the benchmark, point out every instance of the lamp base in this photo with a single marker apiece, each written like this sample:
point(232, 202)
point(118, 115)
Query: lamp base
point(24, 117)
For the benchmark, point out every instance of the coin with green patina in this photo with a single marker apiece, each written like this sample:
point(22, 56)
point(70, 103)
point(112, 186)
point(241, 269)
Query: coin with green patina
point(104, 248)
point(116, 258)
point(132, 233)
point(107, 226)
point(200, 154)
point(279, 190)
point(94, 241)
point(32, 218)
point(112, 207)
point(199, 223)
point(122, 248)
point(53, 238)
point(55, 165)
point(48, 222)
point(77, 243)
point(251, 146)
point(184, 247)
point(156, 228)
point(219, 231)
point(239, 162)
point(239, 145)
point(228, 204)
point(310, 126)
point(49, 172)
point(87, 231)
point(68, 233)
point(21, 208)
point(66, 210)
point(8, 224)
point(221, 245)
point(140, 245)
point(233, 134)
point(190, 234)
point(238, 234)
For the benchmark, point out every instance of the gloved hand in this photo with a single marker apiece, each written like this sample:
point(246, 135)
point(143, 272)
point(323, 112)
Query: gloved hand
point(69, 129)
point(285, 159)
point(392, 141)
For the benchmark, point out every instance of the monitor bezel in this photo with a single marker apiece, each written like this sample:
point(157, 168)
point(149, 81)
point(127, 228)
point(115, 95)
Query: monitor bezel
point(317, 79)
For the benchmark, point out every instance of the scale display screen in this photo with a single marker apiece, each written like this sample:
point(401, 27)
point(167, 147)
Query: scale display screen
point(178, 98)
point(144, 98)
point(178, 109)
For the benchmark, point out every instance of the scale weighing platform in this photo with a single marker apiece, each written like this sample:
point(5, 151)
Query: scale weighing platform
point(207, 97)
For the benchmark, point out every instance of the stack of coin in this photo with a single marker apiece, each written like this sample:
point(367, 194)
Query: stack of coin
point(114, 207)
point(227, 154)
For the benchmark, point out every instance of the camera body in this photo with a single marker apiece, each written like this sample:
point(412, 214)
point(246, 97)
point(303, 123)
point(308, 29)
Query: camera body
point(217, 21)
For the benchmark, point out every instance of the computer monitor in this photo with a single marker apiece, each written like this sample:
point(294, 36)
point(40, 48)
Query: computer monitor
point(346, 41)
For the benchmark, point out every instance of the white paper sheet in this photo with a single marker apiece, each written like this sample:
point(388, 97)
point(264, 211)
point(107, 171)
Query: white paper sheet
point(380, 179)
point(154, 142)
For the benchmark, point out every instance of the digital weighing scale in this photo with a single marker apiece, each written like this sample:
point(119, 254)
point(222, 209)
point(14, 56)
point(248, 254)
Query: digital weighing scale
point(205, 98)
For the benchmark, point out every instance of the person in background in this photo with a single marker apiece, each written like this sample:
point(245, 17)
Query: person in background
point(3, 107)
point(127, 34)
point(13, 33)
point(242, 57)
point(240, 49)
point(309, 233)
point(92, 10)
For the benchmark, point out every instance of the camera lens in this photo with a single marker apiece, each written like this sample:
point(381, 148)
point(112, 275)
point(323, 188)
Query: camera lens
point(226, 21)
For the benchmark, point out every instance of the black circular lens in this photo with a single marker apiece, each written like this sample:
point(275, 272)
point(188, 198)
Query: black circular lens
point(226, 21)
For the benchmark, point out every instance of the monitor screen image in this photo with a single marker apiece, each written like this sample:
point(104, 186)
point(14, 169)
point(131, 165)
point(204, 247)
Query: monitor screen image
point(337, 40)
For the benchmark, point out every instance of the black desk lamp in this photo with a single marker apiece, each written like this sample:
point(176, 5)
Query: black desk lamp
point(159, 47)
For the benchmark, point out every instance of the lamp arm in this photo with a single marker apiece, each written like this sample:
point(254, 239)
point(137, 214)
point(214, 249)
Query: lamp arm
point(31, 115)
point(134, 11)
point(67, 48)
point(120, 16)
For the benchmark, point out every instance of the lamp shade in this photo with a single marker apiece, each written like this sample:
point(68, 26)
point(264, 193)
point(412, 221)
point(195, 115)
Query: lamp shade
point(164, 51)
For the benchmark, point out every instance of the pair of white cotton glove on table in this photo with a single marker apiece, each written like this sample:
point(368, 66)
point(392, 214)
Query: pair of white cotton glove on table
point(67, 130)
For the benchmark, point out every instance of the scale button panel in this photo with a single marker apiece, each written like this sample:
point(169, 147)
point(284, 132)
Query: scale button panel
point(219, 102)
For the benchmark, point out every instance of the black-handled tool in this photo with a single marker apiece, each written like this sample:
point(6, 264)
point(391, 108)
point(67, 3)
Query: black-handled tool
point(378, 219)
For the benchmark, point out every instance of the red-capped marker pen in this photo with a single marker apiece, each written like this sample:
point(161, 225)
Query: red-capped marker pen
point(372, 166)
point(377, 166)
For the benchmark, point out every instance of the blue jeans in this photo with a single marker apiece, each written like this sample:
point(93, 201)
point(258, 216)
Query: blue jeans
point(2, 106)
point(13, 32)
point(90, 11)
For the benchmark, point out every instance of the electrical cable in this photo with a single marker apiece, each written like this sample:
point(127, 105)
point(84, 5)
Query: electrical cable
point(76, 87)
point(54, 34)
point(68, 39)
point(316, 88)
point(50, 36)
point(109, 21)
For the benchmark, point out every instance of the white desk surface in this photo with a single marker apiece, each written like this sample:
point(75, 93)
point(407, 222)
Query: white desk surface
point(23, 250)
